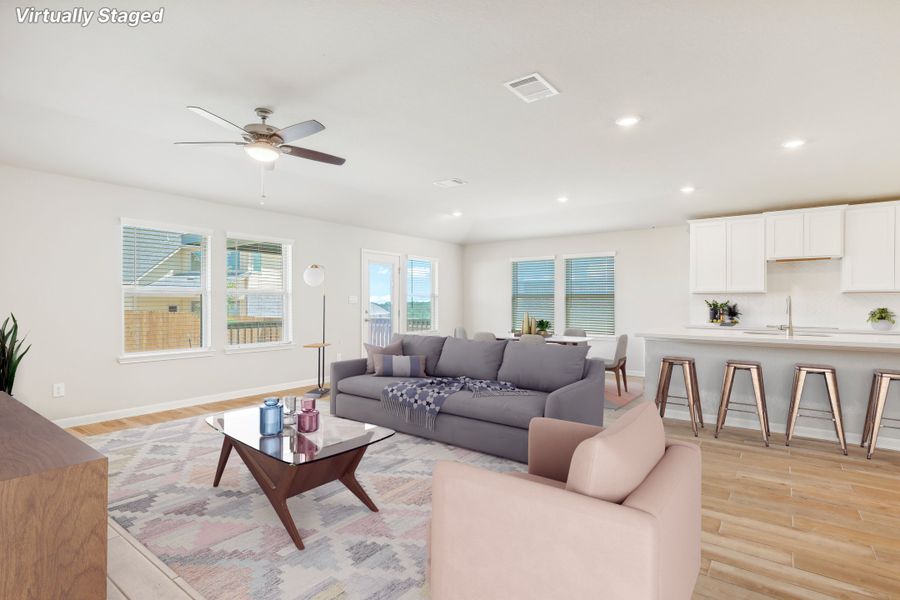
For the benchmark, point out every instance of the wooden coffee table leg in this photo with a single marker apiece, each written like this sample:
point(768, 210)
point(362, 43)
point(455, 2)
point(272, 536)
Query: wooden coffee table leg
point(348, 478)
point(277, 488)
point(223, 459)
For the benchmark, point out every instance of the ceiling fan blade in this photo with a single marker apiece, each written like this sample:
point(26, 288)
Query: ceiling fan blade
point(216, 119)
point(210, 143)
point(300, 130)
point(313, 155)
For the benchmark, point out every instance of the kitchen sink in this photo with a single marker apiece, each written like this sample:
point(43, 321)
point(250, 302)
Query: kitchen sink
point(782, 334)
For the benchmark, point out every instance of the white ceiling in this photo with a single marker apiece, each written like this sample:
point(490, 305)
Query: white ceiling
point(411, 92)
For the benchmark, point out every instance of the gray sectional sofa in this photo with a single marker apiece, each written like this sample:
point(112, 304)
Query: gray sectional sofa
point(562, 383)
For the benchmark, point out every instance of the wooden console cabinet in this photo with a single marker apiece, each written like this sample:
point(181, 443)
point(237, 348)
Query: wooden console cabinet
point(53, 499)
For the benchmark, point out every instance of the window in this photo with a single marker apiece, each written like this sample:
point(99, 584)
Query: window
point(591, 294)
point(258, 282)
point(165, 289)
point(533, 290)
point(421, 294)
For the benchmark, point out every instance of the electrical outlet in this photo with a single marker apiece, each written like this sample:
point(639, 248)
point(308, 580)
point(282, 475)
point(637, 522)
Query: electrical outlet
point(353, 300)
point(59, 390)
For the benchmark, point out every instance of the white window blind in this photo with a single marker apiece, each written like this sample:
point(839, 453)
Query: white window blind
point(421, 294)
point(532, 290)
point(591, 294)
point(258, 281)
point(164, 290)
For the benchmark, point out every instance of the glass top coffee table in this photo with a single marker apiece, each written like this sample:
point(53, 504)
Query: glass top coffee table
point(292, 463)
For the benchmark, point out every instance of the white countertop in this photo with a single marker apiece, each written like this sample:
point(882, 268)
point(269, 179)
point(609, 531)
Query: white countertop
point(865, 342)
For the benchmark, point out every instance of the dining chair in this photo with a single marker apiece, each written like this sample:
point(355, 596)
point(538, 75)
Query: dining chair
point(484, 336)
point(574, 331)
point(460, 332)
point(530, 338)
point(617, 363)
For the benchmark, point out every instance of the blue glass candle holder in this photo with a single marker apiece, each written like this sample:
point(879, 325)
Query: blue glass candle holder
point(271, 417)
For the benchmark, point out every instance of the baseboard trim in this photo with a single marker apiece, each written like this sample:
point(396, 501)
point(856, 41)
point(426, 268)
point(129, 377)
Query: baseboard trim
point(163, 406)
point(734, 420)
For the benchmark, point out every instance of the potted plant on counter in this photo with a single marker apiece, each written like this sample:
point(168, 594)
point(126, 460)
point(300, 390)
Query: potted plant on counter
point(11, 353)
point(882, 319)
point(732, 314)
point(714, 310)
point(543, 326)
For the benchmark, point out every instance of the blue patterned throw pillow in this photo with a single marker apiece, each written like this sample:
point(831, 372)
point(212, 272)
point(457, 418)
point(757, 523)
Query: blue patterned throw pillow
point(389, 365)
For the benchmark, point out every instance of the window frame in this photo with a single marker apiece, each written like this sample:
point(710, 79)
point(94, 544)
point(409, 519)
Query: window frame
point(512, 261)
point(287, 293)
point(561, 285)
point(435, 311)
point(204, 290)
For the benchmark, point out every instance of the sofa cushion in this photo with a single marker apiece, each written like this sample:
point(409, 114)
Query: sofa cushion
point(428, 346)
point(613, 463)
point(368, 386)
point(544, 367)
point(515, 411)
point(387, 365)
point(470, 358)
point(394, 348)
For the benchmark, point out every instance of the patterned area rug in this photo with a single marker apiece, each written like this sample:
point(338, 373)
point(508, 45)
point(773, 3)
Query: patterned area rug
point(228, 543)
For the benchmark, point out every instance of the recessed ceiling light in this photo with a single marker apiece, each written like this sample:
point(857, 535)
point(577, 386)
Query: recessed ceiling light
point(562, 199)
point(262, 203)
point(448, 183)
point(793, 144)
point(688, 189)
point(457, 213)
point(628, 121)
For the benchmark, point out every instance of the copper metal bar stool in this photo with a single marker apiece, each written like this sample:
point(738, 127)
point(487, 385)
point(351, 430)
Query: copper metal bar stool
point(759, 390)
point(881, 382)
point(690, 386)
point(830, 374)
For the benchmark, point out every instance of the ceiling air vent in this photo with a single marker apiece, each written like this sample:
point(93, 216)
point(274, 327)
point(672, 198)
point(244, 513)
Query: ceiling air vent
point(448, 183)
point(531, 88)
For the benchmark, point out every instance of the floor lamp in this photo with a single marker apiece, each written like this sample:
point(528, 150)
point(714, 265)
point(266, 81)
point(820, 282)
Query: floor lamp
point(314, 276)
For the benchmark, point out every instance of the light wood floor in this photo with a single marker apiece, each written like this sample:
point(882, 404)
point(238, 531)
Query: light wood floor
point(803, 522)
point(790, 523)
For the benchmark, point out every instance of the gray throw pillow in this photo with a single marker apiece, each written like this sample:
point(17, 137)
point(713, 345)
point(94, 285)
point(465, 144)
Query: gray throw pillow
point(387, 365)
point(429, 346)
point(394, 347)
point(542, 367)
point(470, 358)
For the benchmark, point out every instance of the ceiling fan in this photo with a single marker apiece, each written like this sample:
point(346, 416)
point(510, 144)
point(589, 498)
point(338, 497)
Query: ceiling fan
point(266, 143)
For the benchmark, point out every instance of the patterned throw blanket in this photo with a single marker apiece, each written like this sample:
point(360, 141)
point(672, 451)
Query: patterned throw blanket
point(420, 401)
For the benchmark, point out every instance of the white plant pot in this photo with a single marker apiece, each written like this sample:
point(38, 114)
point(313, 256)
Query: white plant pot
point(882, 325)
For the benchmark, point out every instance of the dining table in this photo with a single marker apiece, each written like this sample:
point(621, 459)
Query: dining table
point(565, 340)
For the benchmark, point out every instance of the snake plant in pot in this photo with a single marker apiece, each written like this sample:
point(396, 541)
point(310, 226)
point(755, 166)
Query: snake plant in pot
point(11, 353)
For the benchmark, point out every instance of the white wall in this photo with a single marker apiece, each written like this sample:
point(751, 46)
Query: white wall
point(651, 281)
point(60, 274)
point(815, 290)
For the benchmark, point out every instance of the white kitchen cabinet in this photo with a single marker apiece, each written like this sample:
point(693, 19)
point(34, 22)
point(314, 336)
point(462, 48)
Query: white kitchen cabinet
point(870, 255)
point(823, 232)
point(784, 235)
point(708, 256)
point(805, 233)
point(746, 254)
point(728, 255)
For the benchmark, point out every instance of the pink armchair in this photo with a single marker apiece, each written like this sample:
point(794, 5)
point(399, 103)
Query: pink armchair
point(612, 514)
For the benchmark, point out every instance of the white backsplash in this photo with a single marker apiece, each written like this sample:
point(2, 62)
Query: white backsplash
point(814, 287)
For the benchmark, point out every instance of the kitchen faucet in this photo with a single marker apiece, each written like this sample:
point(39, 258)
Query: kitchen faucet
point(790, 319)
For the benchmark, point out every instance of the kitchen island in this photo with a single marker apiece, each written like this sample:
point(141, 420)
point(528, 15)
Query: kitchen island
point(854, 355)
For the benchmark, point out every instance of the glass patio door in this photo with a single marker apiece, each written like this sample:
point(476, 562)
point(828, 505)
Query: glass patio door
point(381, 306)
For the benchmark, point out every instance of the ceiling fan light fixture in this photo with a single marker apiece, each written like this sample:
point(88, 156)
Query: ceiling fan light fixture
point(262, 151)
